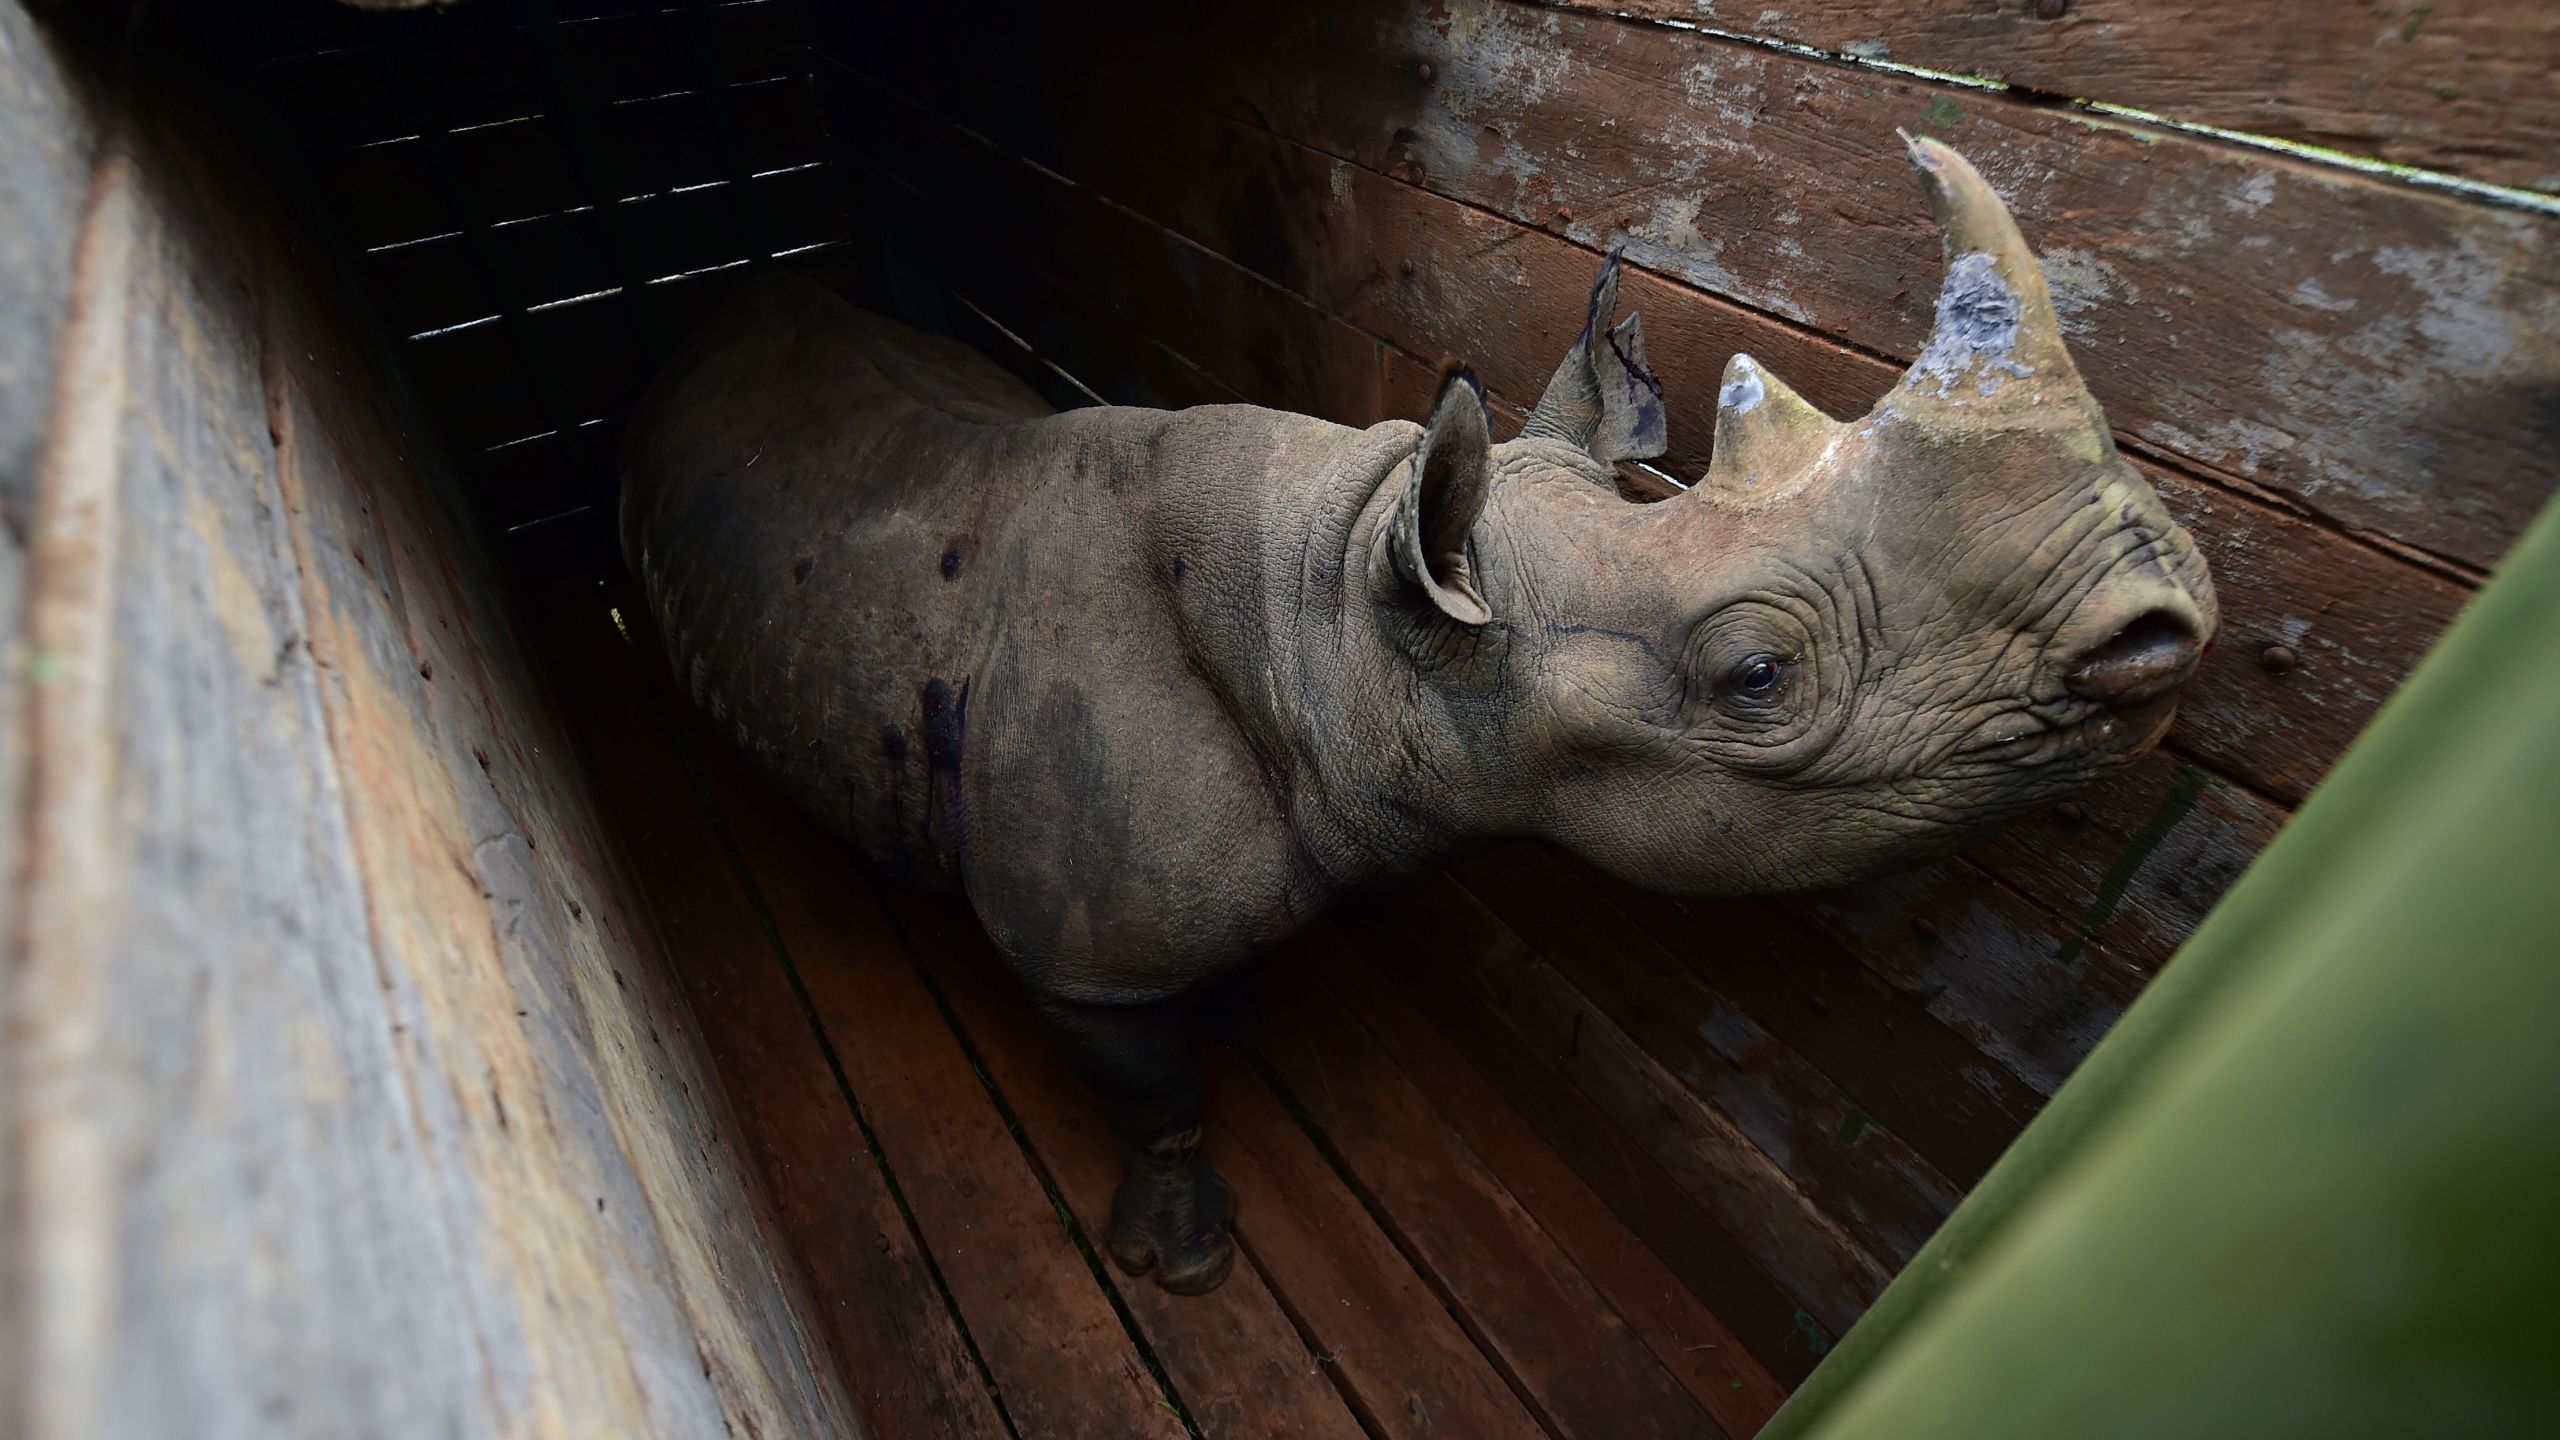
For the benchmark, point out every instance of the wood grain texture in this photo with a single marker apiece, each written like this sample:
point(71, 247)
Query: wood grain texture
point(2467, 89)
point(48, 143)
point(339, 1101)
point(1882, 1048)
point(1689, 1340)
point(2380, 355)
point(1401, 1357)
point(1822, 1138)
point(1412, 952)
point(1515, 1285)
point(1826, 1273)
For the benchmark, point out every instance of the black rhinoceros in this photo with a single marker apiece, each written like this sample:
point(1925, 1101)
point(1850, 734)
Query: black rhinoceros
point(1156, 688)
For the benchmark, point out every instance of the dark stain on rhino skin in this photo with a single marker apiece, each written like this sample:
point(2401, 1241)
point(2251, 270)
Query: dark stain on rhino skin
point(800, 572)
point(946, 727)
point(951, 562)
point(1177, 569)
point(893, 742)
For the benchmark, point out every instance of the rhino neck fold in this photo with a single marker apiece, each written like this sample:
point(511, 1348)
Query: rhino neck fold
point(1288, 634)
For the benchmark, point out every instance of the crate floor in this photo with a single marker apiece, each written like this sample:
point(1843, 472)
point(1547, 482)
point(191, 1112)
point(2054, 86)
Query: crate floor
point(1414, 1259)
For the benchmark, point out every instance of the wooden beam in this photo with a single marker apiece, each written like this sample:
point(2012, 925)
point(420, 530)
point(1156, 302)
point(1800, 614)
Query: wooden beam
point(2464, 89)
point(2352, 344)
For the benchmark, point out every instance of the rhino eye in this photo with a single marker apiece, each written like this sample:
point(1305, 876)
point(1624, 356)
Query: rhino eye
point(1757, 678)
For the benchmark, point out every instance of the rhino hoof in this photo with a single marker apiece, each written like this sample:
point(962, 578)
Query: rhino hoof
point(1176, 1225)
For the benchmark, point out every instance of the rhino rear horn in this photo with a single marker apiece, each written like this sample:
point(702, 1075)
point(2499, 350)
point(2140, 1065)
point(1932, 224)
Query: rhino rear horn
point(1605, 399)
point(1766, 434)
point(1996, 329)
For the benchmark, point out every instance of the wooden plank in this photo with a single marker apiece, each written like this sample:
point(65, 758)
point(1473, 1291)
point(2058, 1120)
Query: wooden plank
point(2316, 633)
point(1568, 1350)
point(1686, 1337)
point(1983, 959)
point(551, 1064)
point(1837, 1151)
point(1828, 1274)
point(1709, 1262)
point(886, 1320)
point(1239, 1364)
point(114, 938)
point(1062, 1362)
point(329, 1112)
point(2464, 89)
point(1957, 1106)
point(2355, 618)
point(1402, 1361)
point(48, 148)
point(2200, 278)
point(2138, 861)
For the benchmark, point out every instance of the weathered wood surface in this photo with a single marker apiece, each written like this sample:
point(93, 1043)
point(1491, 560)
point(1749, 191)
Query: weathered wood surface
point(2378, 354)
point(1737, 1184)
point(343, 1093)
point(1889, 1199)
point(1403, 943)
point(1690, 1340)
point(1517, 1286)
point(2467, 89)
point(47, 149)
point(1882, 1048)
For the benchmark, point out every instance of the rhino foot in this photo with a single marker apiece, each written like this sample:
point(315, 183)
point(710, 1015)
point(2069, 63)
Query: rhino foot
point(1172, 1216)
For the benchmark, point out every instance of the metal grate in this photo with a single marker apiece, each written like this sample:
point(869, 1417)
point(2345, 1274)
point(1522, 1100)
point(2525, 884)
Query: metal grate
point(547, 194)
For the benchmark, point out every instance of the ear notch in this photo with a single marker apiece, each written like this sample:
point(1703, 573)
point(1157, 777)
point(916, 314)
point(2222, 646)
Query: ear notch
point(1605, 399)
point(1452, 474)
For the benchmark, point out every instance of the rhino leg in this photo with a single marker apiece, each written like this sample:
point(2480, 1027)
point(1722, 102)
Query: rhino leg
point(1171, 1213)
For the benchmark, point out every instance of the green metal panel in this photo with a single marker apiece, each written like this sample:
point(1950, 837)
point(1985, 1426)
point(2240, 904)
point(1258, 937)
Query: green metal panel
point(2310, 1185)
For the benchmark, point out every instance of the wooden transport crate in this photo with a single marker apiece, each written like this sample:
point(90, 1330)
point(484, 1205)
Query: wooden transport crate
point(417, 1023)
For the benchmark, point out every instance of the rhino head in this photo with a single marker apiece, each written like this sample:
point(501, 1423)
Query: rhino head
point(1851, 644)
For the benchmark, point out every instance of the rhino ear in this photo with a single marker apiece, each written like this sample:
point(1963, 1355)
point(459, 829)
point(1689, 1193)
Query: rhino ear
point(1452, 472)
point(1605, 399)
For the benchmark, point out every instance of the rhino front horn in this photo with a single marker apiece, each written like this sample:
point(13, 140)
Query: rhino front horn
point(1996, 331)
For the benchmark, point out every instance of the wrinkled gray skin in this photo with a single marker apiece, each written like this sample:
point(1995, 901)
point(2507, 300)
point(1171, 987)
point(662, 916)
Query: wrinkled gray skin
point(1157, 688)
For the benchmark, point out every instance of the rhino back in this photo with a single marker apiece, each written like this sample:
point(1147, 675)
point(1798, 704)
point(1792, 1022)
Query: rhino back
point(997, 646)
point(805, 492)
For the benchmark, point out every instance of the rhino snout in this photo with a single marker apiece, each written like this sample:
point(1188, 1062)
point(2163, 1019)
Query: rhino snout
point(2149, 655)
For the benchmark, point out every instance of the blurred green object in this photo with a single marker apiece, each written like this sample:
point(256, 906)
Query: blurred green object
point(2310, 1184)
